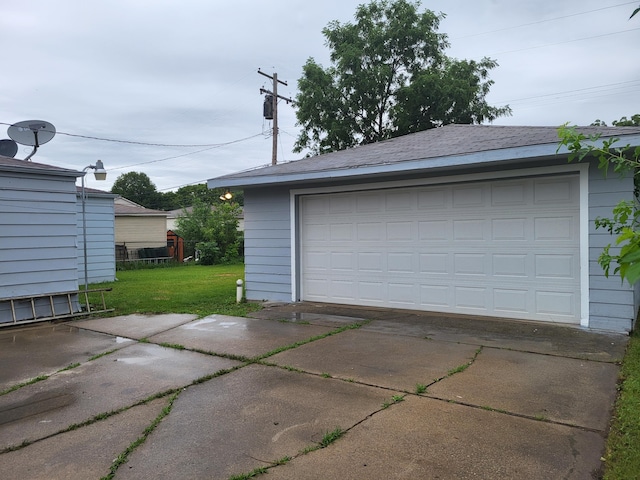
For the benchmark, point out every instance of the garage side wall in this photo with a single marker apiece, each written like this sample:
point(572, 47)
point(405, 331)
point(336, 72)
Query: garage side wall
point(267, 244)
point(613, 305)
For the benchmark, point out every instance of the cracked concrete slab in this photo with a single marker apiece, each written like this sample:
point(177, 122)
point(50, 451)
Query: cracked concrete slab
point(27, 353)
point(135, 326)
point(567, 390)
point(67, 455)
point(430, 439)
point(246, 337)
point(248, 419)
point(111, 382)
point(372, 358)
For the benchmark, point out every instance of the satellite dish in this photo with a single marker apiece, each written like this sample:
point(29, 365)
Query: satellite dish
point(8, 148)
point(32, 132)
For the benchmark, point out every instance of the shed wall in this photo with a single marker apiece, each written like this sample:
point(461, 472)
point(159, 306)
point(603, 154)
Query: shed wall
point(38, 252)
point(101, 259)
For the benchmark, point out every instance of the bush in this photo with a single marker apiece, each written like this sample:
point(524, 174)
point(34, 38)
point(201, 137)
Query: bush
point(209, 253)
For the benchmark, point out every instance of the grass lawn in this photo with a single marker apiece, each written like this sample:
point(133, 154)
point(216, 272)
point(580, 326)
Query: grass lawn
point(198, 289)
point(623, 444)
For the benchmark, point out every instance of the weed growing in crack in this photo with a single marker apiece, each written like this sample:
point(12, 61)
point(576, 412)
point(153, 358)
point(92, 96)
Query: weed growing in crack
point(394, 399)
point(331, 437)
point(37, 379)
point(175, 346)
point(325, 375)
point(124, 456)
point(100, 355)
point(420, 388)
point(251, 474)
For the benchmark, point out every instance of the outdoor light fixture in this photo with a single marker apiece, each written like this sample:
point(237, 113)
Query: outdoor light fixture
point(226, 196)
point(101, 174)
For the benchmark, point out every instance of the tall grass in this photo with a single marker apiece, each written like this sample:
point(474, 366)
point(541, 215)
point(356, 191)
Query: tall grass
point(623, 445)
point(198, 289)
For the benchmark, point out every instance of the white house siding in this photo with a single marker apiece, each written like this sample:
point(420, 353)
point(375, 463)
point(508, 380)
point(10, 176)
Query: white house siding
point(38, 253)
point(613, 305)
point(267, 244)
point(101, 259)
point(138, 231)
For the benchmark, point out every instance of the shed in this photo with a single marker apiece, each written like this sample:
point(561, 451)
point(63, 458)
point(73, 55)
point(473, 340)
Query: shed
point(463, 219)
point(100, 223)
point(38, 237)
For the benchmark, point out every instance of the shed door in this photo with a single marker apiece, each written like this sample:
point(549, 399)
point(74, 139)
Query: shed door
point(506, 248)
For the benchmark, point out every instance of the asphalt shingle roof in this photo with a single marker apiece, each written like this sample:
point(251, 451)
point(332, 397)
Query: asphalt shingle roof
point(447, 141)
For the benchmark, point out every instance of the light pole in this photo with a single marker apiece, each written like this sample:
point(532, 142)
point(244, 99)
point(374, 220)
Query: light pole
point(101, 174)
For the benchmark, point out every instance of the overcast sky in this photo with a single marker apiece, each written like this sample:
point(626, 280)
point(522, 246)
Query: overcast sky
point(185, 73)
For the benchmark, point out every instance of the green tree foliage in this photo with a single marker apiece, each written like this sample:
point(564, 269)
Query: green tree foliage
point(634, 121)
point(213, 231)
point(138, 188)
point(389, 76)
point(625, 220)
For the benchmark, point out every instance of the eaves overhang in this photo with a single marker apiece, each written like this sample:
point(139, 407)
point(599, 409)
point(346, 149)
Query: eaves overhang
point(478, 159)
point(307, 172)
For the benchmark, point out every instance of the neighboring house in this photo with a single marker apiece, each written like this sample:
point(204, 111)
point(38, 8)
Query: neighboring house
point(140, 233)
point(100, 223)
point(462, 219)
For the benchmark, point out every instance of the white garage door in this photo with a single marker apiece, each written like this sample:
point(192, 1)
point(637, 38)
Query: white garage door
point(507, 248)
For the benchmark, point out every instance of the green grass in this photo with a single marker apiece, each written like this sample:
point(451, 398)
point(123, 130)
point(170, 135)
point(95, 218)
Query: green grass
point(622, 458)
point(198, 289)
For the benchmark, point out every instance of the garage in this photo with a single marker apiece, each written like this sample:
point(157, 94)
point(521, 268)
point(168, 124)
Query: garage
point(504, 248)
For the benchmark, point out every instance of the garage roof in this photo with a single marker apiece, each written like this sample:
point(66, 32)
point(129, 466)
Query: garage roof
point(447, 146)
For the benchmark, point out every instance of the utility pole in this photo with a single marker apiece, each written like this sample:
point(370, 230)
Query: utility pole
point(274, 99)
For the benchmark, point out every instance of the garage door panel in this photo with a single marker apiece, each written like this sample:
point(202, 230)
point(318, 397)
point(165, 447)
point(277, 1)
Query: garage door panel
point(468, 196)
point(511, 300)
point(554, 229)
point(555, 303)
point(509, 229)
point(504, 248)
point(433, 199)
point(470, 264)
point(510, 265)
point(556, 266)
point(471, 298)
point(436, 296)
point(434, 263)
point(400, 231)
point(555, 191)
point(508, 194)
point(468, 230)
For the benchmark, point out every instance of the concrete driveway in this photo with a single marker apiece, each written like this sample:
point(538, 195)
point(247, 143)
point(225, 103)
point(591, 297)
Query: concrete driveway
point(305, 392)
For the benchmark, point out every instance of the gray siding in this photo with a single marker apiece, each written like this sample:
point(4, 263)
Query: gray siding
point(37, 234)
point(613, 305)
point(101, 257)
point(267, 246)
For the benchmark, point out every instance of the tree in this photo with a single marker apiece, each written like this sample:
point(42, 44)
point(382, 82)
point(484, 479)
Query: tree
point(213, 231)
point(389, 76)
point(634, 121)
point(625, 220)
point(138, 188)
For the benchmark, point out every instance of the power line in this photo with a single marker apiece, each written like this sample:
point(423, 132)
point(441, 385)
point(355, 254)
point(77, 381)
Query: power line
point(566, 41)
point(132, 142)
point(541, 21)
point(187, 154)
